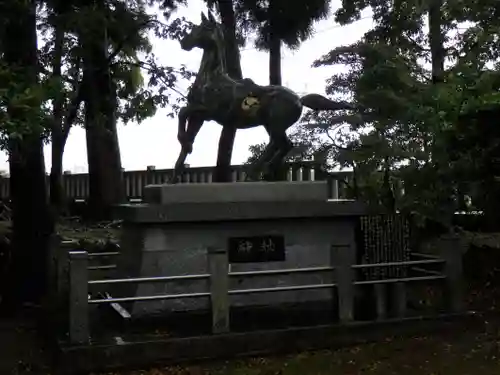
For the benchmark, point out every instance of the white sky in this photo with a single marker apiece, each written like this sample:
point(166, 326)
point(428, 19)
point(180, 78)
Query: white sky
point(154, 141)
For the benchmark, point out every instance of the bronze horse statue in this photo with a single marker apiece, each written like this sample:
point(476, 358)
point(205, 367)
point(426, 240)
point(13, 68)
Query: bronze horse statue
point(238, 103)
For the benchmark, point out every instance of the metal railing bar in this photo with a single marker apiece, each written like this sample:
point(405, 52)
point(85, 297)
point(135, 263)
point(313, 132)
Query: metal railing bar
point(149, 298)
point(423, 270)
point(398, 280)
point(103, 254)
point(105, 267)
point(281, 289)
point(206, 276)
point(405, 263)
point(207, 294)
point(280, 271)
point(149, 279)
point(422, 255)
point(259, 290)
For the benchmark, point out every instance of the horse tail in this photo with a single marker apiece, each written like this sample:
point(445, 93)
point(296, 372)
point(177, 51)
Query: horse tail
point(320, 103)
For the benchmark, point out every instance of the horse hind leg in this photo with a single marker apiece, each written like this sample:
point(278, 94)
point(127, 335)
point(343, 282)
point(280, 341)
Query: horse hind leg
point(275, 163)
point(258, 166)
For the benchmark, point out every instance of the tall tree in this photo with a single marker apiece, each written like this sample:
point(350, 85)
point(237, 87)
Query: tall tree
point(22, 119)
point(60, 53)
point(408, 117)
point(281, 22)
point(65, 27)
point(123, 26)
point(103, 153)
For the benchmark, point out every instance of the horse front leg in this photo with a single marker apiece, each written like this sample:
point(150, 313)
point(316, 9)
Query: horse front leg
point(179, 166)
point(194, 124)
point(182, 118)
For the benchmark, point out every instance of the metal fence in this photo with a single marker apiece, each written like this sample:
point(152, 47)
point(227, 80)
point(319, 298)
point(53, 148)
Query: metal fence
point(75, 267)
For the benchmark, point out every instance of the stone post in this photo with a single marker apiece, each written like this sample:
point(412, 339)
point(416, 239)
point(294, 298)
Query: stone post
point(333, 187)
point(150, 177)
point(219, 289)
point(452, 248)
point(343, 259)
point(78, 297)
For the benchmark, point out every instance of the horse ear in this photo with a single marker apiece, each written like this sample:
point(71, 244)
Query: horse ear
point(203, 17)
point(211, 17)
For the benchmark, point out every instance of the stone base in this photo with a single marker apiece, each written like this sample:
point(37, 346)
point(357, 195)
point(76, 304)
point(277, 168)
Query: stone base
point(171, 239)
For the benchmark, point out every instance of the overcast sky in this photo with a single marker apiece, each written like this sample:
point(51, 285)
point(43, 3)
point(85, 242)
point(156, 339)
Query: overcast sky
point(154, 141)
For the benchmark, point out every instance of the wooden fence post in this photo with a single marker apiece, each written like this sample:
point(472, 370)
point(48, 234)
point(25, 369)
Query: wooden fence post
point(343, 259)
point(219, 289)
point(78, 297)
point(452, 252)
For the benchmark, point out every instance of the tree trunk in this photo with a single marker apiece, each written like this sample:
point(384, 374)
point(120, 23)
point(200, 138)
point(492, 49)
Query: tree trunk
point(103, 152)
point(275, 61)
point(233, 57)
point(436, 40)
point(233, 64)
point(438, 56)
point(277, 173)
point(57, 193)
point(32, 222)
point(274, 47)
point(225, 152)
point(57, 197)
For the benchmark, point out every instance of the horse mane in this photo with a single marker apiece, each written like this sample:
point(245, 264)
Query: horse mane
point(221, 48)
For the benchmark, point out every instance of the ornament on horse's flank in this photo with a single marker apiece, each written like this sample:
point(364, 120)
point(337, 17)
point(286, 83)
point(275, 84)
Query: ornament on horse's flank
point(250, 104)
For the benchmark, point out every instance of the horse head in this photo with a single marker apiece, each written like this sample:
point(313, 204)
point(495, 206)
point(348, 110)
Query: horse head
point(204, 35)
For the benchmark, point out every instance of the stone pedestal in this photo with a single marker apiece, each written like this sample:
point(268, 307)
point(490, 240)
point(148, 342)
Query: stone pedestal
point(170, 234)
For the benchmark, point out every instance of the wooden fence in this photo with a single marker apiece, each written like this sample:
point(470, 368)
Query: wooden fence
point(76, 186)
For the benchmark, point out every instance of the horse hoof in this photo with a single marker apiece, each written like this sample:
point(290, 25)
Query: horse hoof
point(172, 180)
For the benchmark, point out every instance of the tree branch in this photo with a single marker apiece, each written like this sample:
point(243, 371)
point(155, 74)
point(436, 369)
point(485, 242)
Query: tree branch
point(152, 68)
point(124, 41)
point(334, 142)
point(356, 119)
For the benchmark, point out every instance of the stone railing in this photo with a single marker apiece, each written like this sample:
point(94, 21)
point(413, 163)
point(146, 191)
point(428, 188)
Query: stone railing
point(76, 186)
point(77, 284)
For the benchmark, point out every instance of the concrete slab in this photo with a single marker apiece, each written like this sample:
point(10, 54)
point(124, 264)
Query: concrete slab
point(191, 212)
point(237, 192)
